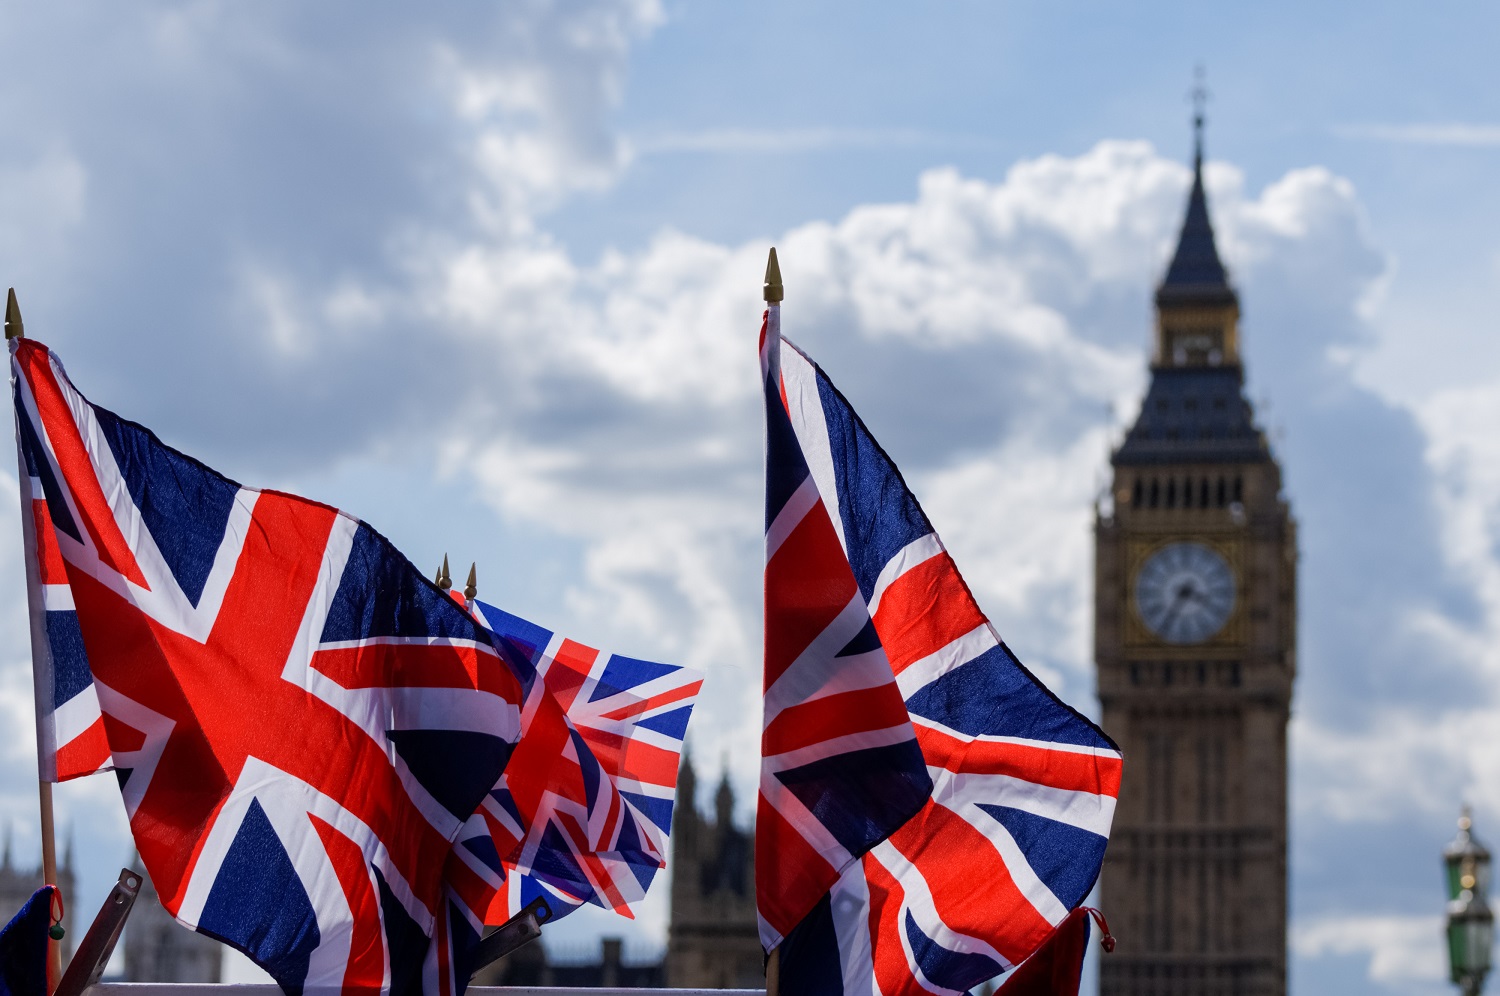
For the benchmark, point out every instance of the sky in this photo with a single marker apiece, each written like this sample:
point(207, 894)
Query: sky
point(487, 276)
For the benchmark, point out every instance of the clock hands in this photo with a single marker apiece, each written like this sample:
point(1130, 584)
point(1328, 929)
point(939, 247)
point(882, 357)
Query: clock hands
point(1186, 593)
point(1183, 593)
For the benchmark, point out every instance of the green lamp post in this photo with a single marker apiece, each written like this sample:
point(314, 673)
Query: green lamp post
point(1471, 925)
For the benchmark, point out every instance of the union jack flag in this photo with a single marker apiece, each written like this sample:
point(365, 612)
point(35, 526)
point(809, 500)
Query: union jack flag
point(875, 644)
point(583, 811)
point(300, 722)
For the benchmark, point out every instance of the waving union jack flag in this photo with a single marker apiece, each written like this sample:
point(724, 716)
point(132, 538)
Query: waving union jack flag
point(929, 811)
point(583, 811)
point(300, 722)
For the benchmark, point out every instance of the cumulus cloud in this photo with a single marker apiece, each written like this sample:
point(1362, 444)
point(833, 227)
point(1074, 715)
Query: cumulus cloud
point(311, 242)
point(277, 172)
point(1465, 459)
point(1404, 952)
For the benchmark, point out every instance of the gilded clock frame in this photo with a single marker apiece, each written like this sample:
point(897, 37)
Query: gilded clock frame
point(1232, 636)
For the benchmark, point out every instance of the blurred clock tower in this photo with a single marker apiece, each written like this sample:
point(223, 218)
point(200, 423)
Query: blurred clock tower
point(1195, 634)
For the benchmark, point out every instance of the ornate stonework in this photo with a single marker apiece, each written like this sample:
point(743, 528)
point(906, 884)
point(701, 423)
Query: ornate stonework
point(712, 941)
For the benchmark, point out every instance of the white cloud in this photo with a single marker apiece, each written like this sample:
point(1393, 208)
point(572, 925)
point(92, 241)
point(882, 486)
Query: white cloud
point(1402, 949)
point(537, 99)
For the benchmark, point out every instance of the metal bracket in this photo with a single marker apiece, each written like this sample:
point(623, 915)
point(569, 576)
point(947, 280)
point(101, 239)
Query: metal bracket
point(99, 943)
point(515, 933)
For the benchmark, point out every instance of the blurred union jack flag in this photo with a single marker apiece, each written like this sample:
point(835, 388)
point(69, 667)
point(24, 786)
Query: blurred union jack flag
point(583, 811)
point(300, 722)
point(929, 811)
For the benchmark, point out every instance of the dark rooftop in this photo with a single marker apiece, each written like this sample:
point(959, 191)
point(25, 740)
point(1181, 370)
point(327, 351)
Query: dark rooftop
point(1194, 415)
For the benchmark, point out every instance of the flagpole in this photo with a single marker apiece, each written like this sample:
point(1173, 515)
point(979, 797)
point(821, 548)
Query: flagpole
point(49, 877)
point(16, 329)
point(773, 292)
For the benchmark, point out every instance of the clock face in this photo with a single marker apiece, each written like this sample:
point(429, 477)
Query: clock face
point(1184, 592)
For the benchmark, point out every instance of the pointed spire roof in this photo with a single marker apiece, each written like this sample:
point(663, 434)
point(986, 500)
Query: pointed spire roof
point(1196, 273)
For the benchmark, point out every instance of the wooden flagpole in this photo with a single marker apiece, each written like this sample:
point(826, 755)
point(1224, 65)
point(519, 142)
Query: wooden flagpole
point(16, 329)
point(49, 876)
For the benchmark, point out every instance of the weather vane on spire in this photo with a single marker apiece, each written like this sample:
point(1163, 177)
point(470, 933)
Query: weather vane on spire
point(1199, 95)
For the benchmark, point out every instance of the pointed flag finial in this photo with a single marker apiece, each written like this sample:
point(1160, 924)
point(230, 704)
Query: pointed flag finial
point(14, 329)
point(773, 279)
point(443, 580)
point(471, 587)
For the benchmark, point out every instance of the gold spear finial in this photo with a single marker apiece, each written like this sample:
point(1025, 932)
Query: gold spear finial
point(14, 329)
point(773, 279)
point(471, 587)
point(443, 580)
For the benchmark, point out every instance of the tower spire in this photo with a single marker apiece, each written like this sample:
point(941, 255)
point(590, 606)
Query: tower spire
point(1196, 273)
point(1199, 96)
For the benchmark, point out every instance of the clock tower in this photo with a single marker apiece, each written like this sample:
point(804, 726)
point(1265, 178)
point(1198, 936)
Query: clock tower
point(1195, 635)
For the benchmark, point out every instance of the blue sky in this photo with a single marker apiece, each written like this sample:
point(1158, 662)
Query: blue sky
point(488, 278)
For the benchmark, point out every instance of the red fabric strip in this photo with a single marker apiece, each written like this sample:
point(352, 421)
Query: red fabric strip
point(923, 611)
point(970, 882)
point(84, 754)
point(365, 971)
point(1057, 966)
point(654, 702)
point(835, 716)
point(75, 463)
point(790, 877)
point(808, 583)
point(48, 556)
point(415, 665)
point(1061, 769)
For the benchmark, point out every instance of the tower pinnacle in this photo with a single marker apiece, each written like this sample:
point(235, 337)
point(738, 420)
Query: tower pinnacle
point(1196, 272)
point(1197, 308)
point(1199, 95)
